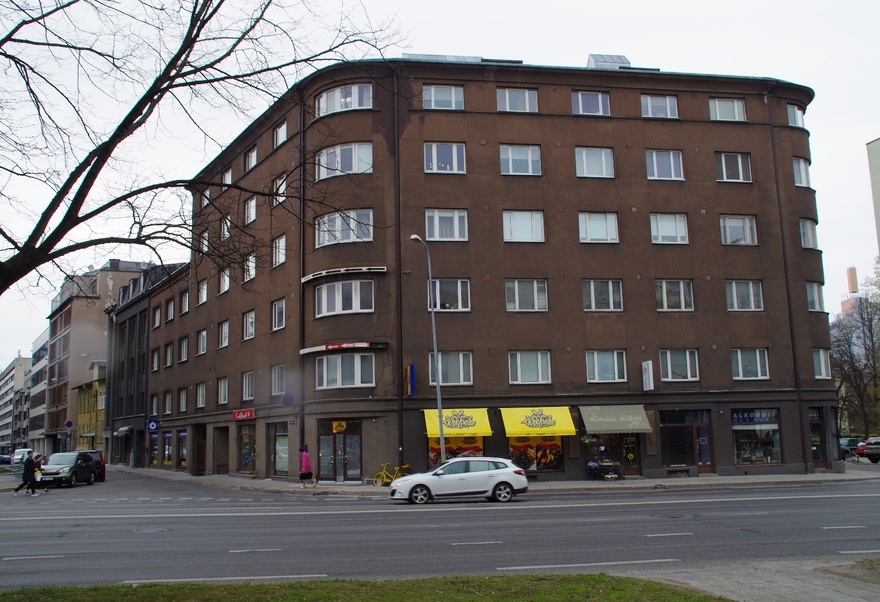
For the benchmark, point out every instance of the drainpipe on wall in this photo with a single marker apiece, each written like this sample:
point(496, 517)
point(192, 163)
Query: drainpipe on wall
point(302, 230)
point(400, 381)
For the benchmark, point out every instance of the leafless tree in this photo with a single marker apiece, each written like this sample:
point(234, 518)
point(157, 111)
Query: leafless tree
point(90, 87)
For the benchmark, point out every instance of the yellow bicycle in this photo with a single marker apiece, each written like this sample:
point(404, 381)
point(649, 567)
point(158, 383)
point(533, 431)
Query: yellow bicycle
point(383, 477)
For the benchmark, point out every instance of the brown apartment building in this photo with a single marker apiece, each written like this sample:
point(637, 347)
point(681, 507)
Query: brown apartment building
point(624, 267)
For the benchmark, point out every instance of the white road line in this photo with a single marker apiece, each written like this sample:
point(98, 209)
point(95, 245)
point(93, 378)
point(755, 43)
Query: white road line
point(256, 550)
point(476, 543)
point(858, 552)
point(667, 534)
point(206, 579)
point(30, 557)
point(583, 565)
point(845, 527)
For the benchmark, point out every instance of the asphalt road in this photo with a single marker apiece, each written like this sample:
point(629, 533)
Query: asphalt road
point(134, 529)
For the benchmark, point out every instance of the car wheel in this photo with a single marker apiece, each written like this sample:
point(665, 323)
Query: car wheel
point(91, 480)
point(72, 480)
point(503, 492)
point(875, 460)
point(419, 494)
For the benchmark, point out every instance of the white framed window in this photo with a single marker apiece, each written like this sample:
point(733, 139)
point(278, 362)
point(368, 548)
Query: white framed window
point(279, 250)
point(154, 405)
point(447, 98)
point(248, 324)
point(821, 363)
point(250, 158)
point(663, 164)
point(456, 368)
point(344, 370)
point(526, 295)
point(733, 167)
point(444, 157)
point(450, 294)
point(347, 297)
point(352, 158)
point(809, 239)
point(202, 292)
point(659, 106)
point(157, 317)
point(223, 334)
point(279, 190)
point(355, 225)
point(203, 242)
point(344, 98)
point(727, 109)
point(520, 160)
point(279, 314)
point(168, 401)
point(279, 134)
point(744, 295)
point(247, 385)
point(749, 364)
point(249, 268)
point(606, 366)
point(795, 116)
point(278, 380)
point(225, 227)
point(669, 229)
point(201, 342)
point(154, 360)
point(169, 310)
point(181, 400)
point(250, 210)
point(594, 162)
point(523, 226)
point(222, 390)
point(679, 364)
point(815, 298)
point(224, 279)
point(169, 354)
point(206, 197)
point(801, 172)
point(738, 230)
point(183, 350)
point(226, 178)
point(602, 295)
point(184, 302)
point(517, 100)
point(595, 227)
point(201, 395)
point(529, 367)
point(446, 224)
point(590, 103)
point(674, 295)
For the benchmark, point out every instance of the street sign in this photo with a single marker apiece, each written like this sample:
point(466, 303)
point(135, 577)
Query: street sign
point(152, 426)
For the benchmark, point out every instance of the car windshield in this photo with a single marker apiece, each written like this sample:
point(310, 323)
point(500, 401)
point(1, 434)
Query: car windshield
point(61, 459)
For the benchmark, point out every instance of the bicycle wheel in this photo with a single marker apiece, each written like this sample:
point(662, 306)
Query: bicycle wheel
point(379, 479)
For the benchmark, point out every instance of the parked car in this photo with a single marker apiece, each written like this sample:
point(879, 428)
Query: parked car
point(848, 446)
point(6, 459)
point(18, 457)
point(69, 468)
point(497, 479)
point(872, 449)
point(100, 466)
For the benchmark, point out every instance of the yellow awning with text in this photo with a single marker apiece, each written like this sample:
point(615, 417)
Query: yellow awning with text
point(473, 422)
point(534, 422)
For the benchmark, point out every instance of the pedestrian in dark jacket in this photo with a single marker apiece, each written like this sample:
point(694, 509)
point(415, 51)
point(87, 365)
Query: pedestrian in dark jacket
point(28, 476)
point(39, 458)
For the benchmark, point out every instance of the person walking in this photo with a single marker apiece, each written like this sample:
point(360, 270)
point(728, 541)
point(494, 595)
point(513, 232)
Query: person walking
point(28, 476)
point(305, 468)
point(39, 460)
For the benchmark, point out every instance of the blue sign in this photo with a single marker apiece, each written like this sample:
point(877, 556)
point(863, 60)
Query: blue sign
point(152, 426)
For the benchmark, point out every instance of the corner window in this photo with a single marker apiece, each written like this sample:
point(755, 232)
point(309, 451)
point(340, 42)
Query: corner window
point(354, 158)
point(809, 240)
point(529, 367)
point(738, 230)
point(446, 224)
point(224, 279)
point(250, 210)
point(247, 385)
point(594, 162)
point(606, 366)
point(279, 250)
point(456, 368)
point(749, 364)
point(278, 380)
point(821, 363)
point(444, 157)
point(449, 98)
point(669, 229)
point(815, 298)
point(602, 295)
point(279, 190)
point(674, 295)
point(222, 390)
point(517, 100)
point(250, 158)
point(523, 226)
point(344, 370)
point(727, 109)
point(223, 334)
point(795, 116)
point(526, 295)
point(659, 106)
point(590, 103)
point(248, 324)
point(450, 295)
point(203, 292)
point(733, 167)
point(744, 295)
point(520, 160)
point(801, 172)
point(679, 364)
point(664, 165)
point(279, 134)
point(344, 98)
point(344, 227)
point(354, 296)
point(597, 227)
point(279, 315)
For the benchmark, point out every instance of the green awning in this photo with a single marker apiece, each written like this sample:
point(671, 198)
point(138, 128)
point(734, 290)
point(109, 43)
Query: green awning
point(615, 419)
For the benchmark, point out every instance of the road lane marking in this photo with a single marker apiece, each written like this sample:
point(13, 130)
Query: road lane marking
point(30, 557)
point(858, 552)
point(256, 550)
point(667, 534)
point(207, 579)
point(536, 567)
point(845, 527)
point(476, 543)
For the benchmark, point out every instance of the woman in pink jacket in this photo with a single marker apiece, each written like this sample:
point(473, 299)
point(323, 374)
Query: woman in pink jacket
point(305, 468)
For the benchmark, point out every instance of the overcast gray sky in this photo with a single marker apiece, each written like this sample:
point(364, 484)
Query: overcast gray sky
point(831, 47)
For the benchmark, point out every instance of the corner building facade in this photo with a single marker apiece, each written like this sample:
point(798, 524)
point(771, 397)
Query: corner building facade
point(625, 271)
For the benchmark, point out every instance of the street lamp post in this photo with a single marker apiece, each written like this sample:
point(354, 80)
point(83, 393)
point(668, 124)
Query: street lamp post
point(436, 363)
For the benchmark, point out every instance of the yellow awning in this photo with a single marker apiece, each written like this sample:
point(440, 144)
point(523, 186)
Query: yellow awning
point(473, 422)
point(534, 422)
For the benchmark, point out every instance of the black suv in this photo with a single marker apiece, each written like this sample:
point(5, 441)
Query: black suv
point(68, 468)
point(100, 467)
point(872, 449)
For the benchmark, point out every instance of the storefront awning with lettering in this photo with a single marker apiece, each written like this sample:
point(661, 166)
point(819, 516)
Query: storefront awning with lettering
point(473, 422)
point(615, 419)
point(535, 422)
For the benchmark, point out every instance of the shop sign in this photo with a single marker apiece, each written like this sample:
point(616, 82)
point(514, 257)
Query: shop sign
point(754, 416)
point(339, 426)
point(243, 414)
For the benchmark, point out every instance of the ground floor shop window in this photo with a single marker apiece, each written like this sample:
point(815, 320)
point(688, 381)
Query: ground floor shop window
point(756, 436)
point(154, 449)
point(817, 437)
point(246, 447)
point(684, 438)
point(536, 453)
point(181, 449)
point(167, 448)
point(339, 450)
point(620, 449)
point(455, 447)
point(278, 448)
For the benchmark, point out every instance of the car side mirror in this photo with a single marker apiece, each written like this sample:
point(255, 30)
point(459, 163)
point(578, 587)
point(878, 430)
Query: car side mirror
point(439, 473)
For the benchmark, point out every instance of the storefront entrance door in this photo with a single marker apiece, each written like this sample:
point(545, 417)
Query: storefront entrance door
point(684, 439)
point(817, 438)
point(340, 457)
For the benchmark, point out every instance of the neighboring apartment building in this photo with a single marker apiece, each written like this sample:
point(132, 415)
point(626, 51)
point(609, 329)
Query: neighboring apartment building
point(77, 338)
point(625, 266)
point(39, 381)
point(13, 405)
point(91, 399)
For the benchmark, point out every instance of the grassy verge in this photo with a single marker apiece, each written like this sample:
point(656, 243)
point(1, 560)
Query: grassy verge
point(511, 588)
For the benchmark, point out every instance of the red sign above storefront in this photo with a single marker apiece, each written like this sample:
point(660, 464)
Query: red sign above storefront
point(243, 414)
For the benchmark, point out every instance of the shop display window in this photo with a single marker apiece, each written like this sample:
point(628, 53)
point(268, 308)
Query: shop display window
point(536, 453)
point(756, 436)
point(455, 447)
point(167, 448)
point(181, 449)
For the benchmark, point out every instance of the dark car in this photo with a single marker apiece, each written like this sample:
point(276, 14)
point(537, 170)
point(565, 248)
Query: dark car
point(872, 449)
point(848, 446)
point(6, 459)
point(69, 468)
point(100, 466)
